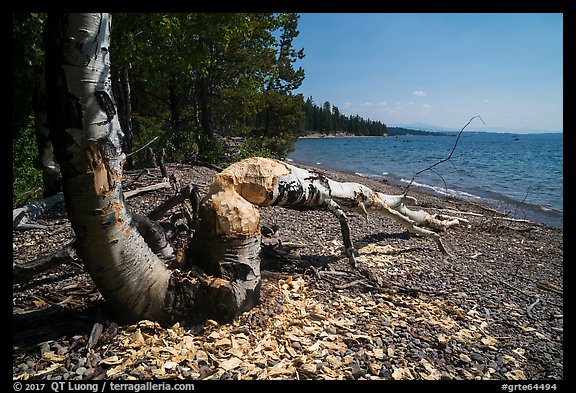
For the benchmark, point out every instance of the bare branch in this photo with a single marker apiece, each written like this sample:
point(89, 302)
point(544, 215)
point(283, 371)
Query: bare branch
point(143, 147)
point(444, 159)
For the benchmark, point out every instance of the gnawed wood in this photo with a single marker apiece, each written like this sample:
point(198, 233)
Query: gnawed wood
point(267, 182)
point(227, 244)
point(192, 298)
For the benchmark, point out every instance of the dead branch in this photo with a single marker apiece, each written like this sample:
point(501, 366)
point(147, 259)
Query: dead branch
point(499, 216)
point(177, 199)
point(444, 159)
point(22, 272)
point(153, 187)
point(143, 147)
point(509, 286)
point(452, 211)
point(25, 227)
point(143, 171)
point(550, 287)
point(206, 165)
point(153, 235)
point(530, 307)
point(349, 284)
point(22, 215)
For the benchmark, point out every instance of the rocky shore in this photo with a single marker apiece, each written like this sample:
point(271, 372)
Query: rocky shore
point(491, 310)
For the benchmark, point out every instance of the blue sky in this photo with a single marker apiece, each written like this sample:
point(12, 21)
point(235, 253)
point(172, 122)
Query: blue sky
point(437, 69)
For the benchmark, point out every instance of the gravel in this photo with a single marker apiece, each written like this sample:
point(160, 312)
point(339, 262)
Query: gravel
point(463, 316)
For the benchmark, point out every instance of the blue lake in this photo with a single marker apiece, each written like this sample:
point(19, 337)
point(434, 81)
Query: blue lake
point(518, 173)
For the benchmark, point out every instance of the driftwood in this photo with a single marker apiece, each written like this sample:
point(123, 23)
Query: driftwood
point(22, 215)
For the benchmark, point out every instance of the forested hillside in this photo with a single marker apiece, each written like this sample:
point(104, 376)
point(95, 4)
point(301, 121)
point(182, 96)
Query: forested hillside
point(328, 119)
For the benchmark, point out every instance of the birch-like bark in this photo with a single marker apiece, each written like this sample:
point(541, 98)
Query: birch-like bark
point(87, 139)
point(86, 135)
point(228, 211)
point(126, 115)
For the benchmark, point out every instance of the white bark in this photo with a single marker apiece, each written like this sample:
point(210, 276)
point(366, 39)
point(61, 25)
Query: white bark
point(266, 182)
point(21, 215)
point(87, 138)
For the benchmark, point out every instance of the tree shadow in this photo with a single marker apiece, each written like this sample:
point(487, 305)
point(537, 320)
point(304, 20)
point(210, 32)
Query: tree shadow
point(287, 263)
point(52, 323)
point(378, 237)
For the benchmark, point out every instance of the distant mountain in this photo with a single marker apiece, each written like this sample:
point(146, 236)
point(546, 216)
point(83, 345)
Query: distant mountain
point(394, 131)
point(474, 127)
point(423, 127)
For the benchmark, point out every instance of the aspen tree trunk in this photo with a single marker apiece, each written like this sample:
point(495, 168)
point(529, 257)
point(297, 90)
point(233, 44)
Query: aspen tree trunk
point(86, 135)
point(87, 138)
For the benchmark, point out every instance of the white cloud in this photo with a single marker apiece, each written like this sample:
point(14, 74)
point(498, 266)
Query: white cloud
point(367, 104)
point(419, 93)
point(426, 109)
point(348, 105)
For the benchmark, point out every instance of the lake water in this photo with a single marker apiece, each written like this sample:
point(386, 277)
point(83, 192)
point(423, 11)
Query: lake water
point(517, 173)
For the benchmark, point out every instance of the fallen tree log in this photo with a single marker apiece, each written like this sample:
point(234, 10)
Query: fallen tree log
point(22, 215)
point(228, 241)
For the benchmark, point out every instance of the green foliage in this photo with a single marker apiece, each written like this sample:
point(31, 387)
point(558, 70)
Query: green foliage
point(196, 79)
point(328, 119)
point(212, 149)
point(211, 75)
point(27, 55)
point(253, 147)
point(26, 175)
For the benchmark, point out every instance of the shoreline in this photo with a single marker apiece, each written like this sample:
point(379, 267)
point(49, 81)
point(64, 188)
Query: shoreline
point(318, 135)
point(502, 207)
